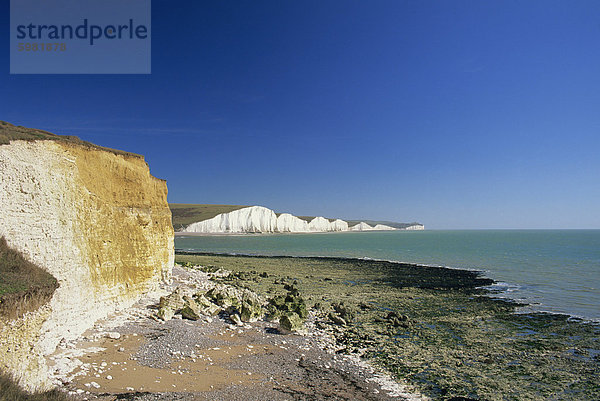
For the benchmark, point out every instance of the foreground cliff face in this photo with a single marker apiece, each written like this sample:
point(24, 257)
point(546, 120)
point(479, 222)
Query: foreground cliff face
point(94, 219)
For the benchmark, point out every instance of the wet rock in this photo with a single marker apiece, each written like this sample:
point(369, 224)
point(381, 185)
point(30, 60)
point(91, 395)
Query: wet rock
point(224, 296)
point(337, 319)
point(291, 322)
point(292, 289)
point(252, 307)
point(346, 312)
point(397, 320)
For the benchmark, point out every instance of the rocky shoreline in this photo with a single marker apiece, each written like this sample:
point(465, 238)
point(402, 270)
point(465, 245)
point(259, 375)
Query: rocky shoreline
point(136, 355)
point(437, 329)
point(367, 330)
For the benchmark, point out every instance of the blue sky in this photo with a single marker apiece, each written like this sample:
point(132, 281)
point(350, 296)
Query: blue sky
point(457, 114)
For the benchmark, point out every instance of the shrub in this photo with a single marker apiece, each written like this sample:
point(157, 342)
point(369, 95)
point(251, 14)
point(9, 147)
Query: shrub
point(24, 286)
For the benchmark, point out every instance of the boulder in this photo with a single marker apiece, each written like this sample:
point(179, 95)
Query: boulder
point(191, 310)
point(337, 319)
point(174, 300)
point(206, 307)
point(170, 305)
point(224, 296)
point(165, 313)
point(252, 307)
point(191, 313)
point(291, 322)
point(235, 319)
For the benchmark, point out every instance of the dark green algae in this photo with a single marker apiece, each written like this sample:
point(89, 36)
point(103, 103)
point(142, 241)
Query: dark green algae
point(435, 329)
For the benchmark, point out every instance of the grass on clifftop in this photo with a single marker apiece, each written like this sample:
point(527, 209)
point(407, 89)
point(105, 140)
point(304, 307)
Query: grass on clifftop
point(10, 391)
point(9, 132)
point(185, 214)
point(24, 286)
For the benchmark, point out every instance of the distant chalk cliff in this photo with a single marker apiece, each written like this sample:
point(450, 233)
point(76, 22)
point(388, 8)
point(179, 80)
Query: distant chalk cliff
point(259, 219)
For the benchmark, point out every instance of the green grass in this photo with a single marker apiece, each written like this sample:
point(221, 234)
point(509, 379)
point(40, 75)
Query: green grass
point(185, 214)
point(23, 285)
point(10, 132)
point(10, 391)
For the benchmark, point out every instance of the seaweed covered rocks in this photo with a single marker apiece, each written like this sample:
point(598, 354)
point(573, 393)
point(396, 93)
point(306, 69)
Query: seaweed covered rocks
point(244, 303)
point(290, 309)
point(342, 314)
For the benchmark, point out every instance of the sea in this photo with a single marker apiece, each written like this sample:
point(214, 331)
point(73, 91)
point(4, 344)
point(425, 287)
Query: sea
point(555, 271)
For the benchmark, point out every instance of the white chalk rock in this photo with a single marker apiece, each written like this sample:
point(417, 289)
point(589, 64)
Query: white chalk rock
point(383, 227)
point(254, 219)
point(362, 226)
point(339, 225)
point(287, 223)
point(319, 224)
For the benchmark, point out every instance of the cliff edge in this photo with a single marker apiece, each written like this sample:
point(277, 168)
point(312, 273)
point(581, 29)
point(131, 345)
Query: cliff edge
point(95, 219)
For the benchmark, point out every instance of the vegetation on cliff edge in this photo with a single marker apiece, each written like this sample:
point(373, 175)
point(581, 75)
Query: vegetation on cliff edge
point(10, 391)
point(185, 213)
point(24, 286)
point(10, 132)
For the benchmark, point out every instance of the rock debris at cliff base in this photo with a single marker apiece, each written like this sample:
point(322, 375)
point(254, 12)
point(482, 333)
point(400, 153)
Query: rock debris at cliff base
point(210, 358)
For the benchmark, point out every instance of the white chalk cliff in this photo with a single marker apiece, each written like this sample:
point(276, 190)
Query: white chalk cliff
point(259, 219)
point(382, 227)
point(94, 219)
point(362, 227)
point(415, 227)
point(287, 223)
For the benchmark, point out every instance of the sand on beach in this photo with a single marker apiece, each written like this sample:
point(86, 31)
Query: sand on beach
point(137, 356)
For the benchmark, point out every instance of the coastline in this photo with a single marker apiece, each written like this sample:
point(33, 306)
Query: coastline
point(456, 338)
point(552, 271)
point(241, 234)
point(492, 288)
point(133, 355)
point(407, 332)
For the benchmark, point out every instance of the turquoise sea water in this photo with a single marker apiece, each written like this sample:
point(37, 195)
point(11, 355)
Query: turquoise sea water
point(552, 270)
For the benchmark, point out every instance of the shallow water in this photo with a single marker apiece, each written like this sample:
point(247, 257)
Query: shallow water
point(553, 270)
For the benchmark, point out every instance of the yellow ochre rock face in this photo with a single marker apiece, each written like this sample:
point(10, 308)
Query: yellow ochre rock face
point(94, 219)
point(136, 246)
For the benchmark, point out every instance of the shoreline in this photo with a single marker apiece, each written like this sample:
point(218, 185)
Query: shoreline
point(492, 292)
point(133, 355)
point(243, 234)
point(375, 330)
point(465, 341)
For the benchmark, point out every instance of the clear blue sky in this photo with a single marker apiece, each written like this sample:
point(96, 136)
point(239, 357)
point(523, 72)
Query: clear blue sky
point(457, 114)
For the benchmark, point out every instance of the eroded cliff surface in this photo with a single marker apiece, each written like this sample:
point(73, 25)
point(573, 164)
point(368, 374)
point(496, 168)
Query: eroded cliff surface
point(94, 219)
